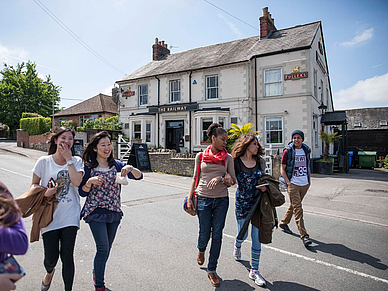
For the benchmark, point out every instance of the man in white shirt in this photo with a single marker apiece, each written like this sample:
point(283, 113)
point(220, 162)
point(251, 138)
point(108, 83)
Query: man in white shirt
point(295, 172)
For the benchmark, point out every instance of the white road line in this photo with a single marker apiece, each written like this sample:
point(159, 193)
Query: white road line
point(318, 261)
point(15, 173)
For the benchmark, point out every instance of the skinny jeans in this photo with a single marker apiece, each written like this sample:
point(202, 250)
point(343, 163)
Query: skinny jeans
point(60, 242)
point(104, 234)
point(211, 215)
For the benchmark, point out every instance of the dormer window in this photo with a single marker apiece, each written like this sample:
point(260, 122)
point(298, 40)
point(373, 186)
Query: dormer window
point(357, 124)
point(383, 123)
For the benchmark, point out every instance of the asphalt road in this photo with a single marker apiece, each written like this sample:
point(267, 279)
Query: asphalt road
point(155, 247)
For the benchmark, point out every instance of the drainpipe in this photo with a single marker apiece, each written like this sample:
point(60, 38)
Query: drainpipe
point(256, 94)
point(190, 110)
point(158, 107)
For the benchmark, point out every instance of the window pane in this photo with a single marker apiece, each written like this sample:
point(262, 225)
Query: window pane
point(274, 130)
point(205, 125)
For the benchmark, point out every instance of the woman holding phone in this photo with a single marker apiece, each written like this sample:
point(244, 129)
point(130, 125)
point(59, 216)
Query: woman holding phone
point(249, 167)
point(61, 169)
point(13, 236)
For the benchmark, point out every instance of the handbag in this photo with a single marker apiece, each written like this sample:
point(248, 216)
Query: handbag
point(195, 195)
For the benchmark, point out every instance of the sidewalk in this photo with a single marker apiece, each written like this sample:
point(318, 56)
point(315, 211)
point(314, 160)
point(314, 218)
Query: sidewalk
point(360, 195)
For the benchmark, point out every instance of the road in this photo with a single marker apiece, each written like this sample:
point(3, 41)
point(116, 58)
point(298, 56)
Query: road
point(155, 248)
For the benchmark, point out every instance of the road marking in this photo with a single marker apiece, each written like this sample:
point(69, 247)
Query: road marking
point(318, 262)
point(15, 173)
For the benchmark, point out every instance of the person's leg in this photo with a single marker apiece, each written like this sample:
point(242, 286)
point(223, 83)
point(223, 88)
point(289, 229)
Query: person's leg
point(204, 212)
point(220, 208)
point(295, 198)
point(290, 210)
point(256, 248)
point(301, 227)
point(51, 254)
point(67, 239)
point(237, 242)
point(111, 231)
point(100, 235)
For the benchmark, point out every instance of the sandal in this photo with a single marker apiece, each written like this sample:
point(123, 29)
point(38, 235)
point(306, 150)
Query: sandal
point(47, 287)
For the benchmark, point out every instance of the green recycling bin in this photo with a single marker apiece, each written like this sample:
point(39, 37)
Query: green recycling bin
point(366, 159)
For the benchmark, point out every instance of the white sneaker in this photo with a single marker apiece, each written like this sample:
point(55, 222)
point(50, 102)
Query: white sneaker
point(237, 253)
point(255, 275)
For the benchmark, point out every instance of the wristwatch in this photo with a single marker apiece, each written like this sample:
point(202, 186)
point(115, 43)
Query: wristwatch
point(69, 162)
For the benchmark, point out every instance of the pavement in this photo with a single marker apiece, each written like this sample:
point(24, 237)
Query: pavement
point(361, 195)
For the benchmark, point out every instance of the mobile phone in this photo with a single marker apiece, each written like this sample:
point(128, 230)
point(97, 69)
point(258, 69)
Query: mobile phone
point(10, 265)
point(52, 183)
point(265, 184)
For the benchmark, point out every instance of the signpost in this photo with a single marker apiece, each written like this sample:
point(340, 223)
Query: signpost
point(139, 157)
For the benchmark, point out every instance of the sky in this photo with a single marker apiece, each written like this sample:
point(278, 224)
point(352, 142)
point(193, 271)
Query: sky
point(119, 35)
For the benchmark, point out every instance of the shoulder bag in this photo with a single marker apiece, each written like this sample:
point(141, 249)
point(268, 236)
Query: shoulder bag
point(195, 196)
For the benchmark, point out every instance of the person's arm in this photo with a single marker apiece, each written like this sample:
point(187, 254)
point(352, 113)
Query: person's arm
point(13, 239)
point(50, 189)
point(284, 174)
point(230, 177)
point(74, 175)
point(131, 172)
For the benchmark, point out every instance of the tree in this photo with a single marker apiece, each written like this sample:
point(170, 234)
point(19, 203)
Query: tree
point(327, 140)
point(21, 90)
point(236, 131)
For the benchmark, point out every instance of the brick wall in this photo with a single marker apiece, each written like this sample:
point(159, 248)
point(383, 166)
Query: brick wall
point(169, 162)
point(22, 139)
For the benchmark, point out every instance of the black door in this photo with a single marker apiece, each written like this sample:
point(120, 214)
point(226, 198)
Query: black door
point(174, 135)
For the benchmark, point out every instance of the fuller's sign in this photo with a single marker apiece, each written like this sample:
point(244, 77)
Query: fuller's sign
point(296, 74)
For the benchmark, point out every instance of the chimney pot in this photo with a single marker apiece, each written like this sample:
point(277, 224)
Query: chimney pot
point(156, 40)
point(267, 24)
point(162, 42)
point(159, 50)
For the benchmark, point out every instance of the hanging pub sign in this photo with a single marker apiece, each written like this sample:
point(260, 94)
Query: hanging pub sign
point(128, 92)
point(296, 74)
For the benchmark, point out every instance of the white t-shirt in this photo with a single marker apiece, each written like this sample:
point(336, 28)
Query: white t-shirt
point(67, 212)
point(299, 175)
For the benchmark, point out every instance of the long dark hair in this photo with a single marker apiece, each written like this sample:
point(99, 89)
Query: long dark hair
point(9, 212)
point(90, 156)
point(215, 129)
point(60, 130)
point(243, 142)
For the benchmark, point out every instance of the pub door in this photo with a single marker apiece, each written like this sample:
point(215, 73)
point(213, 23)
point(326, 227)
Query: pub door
point(174, 135)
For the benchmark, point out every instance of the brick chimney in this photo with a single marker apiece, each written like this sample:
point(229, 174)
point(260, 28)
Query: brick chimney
point(267, 24)
point(160, 50)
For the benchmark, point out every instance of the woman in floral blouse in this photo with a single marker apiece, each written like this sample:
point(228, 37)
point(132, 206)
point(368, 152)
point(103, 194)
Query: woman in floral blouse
point(102, 209)
point(249, 168)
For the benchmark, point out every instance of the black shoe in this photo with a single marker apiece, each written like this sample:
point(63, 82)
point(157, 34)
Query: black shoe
point(306, 241)
point(285, 228)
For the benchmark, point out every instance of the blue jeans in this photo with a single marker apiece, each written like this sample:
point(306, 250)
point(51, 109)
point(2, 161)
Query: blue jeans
point(254, 235)
point(211, 215)
point(104, 233)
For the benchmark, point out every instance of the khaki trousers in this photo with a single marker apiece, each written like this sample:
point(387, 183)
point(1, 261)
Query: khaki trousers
point(296, 194)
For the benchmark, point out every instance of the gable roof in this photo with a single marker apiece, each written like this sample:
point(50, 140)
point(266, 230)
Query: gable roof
point(231, 52)
point(97, 104)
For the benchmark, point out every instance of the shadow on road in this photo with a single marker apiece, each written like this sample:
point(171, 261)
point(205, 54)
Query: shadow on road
point(289, 286)
point(342, 251)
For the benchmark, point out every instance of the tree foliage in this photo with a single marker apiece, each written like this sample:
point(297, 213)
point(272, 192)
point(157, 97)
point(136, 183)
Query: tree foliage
point(327, 140)
point(21, 90)
point(236, 131)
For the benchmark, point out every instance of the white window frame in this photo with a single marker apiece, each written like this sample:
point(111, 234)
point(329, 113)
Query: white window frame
point(315, 84)
point(173, 91)
point(204, 137)
point(315, 129)
point(210, 89)
point(268, 84)
point(357, 124)
point(83, 119)
point(322, 91)
point(143, 95)
point(136, 131)
point(279, 118)
point(148, 131)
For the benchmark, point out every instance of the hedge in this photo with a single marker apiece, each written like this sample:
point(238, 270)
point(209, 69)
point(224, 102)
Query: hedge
point(35, 125)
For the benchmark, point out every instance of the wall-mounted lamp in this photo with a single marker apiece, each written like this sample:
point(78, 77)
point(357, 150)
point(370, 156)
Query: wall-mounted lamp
point(322, 108)
point(285, 111)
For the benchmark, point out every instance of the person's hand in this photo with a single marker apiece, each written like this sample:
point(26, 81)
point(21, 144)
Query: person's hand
point(228, 181)
point(51, 190)
point(65, 150)
point(6, 283)
point(97, 180)
point(190, 206)
point(213, 182)
point(126, 169)
point(262, 188)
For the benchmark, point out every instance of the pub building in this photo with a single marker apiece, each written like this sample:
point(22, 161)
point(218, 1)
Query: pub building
point(279, 81)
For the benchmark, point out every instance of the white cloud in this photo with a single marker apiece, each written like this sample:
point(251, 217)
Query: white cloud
point(371, 92)
point(232, 26)
point(361, 38)
point(10, 55)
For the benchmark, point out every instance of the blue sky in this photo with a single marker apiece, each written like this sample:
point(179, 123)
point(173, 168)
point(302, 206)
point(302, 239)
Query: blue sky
point(123, 31)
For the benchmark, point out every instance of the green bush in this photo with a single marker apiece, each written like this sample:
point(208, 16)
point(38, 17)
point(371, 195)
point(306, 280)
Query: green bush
point(110, 123)
point(35, 125)
point(29, 115)
point(80, 129)
point(70, 123)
